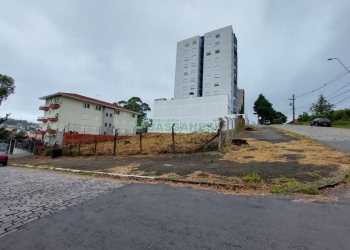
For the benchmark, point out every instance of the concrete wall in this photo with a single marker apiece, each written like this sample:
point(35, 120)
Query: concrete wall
point(190, 114)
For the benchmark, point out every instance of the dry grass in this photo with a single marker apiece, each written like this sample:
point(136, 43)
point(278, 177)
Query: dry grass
point(303, 151)
point(151, 144)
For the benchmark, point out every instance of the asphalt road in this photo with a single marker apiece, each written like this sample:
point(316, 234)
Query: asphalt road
point(164, 217)
point(337, 138)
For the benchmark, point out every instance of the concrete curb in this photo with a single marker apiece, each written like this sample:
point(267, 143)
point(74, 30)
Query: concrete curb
point(130, 176)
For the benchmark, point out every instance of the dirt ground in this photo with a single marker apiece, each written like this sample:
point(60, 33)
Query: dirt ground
point(270, 153)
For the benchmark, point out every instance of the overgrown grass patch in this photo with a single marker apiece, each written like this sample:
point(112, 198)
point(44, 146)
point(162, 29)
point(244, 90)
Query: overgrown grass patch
point(253, 180)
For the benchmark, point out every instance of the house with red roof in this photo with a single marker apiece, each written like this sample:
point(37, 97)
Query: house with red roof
point(78, 114)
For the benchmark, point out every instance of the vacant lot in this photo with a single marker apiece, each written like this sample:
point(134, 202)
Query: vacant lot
point(270, 159)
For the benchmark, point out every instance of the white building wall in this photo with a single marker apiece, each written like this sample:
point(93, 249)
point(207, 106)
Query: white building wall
point(190, 114)
point(187, 72)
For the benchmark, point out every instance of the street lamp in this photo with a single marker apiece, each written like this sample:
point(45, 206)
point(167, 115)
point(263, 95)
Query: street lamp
point(335, 58)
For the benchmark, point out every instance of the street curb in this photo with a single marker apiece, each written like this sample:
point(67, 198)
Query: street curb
point(130, 176)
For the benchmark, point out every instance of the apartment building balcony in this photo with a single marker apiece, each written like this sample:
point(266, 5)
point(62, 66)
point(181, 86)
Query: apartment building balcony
point(55, 106)
point(44, 108)
point(43, 119)
point(52, 119)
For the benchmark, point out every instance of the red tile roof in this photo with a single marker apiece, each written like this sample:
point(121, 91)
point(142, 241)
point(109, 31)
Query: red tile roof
point(89, 100)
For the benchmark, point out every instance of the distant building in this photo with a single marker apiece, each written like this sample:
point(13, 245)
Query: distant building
point(73, 113)
point(205, 84)
point(240, 100)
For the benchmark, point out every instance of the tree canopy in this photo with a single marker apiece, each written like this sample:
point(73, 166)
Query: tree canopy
point(321, 106)
point(265, 111)
point(7, 87)
point(136, 104)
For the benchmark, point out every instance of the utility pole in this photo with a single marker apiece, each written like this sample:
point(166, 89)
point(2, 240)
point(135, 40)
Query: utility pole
point(293, 105)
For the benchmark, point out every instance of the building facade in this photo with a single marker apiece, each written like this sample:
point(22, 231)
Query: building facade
point(207, 66)
point(205, 85)
point(240, 100)
point(73, 113)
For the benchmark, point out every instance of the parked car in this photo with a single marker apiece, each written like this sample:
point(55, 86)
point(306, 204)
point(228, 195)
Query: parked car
point(3, 154)
point(267, 122)
point(321, 122)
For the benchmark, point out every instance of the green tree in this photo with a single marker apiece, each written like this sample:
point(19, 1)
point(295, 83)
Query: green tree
point(7, 87)
point(263, 108)
point(321, 106)
point(280, 116)
point(136, 104)
point(304, 117)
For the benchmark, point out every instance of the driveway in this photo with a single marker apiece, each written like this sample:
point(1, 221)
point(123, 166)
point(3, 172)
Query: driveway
point(337, 138)
point(165, 217)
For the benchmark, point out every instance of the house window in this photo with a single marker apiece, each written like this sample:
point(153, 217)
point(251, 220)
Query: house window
point(116, 112)
point(217, 35)
point(87, 105)
point(217, 51)
point(133, 115)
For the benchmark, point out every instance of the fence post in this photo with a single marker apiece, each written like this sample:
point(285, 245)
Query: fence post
point(79, 148)
point(95, 145)
point(140, 142)
point(115, 142)
point(173, 137)
point(220, 139)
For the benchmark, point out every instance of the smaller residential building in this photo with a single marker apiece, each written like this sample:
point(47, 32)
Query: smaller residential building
point(73, 113)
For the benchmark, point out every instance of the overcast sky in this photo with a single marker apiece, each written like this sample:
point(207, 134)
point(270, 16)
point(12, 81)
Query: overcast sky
point(112, 50)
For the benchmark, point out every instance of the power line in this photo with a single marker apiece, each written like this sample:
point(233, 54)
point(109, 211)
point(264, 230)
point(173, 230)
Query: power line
point(339, 94)
point(342, 100)
point(346, 84)
point(341, 75)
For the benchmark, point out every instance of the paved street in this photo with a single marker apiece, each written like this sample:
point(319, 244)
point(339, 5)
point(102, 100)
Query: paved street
point(337, 138)
point(164, 217)
point(27, 195)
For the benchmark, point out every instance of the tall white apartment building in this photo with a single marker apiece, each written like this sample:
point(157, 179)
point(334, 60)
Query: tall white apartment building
point(207, 66)
point(205, 85)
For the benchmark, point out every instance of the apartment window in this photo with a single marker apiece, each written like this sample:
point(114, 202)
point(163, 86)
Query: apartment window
point(217, 43)
point(194, 42)
point(192, 87)
point(186, 51)
point(186, 66)
point(109, 125)
point(106, 125)
point(208, 53)
point(193, 80)
point(193, 64)
point(187, 44)
point(186, 59)
point(217, 51)
point(87, 105)
point(216, 84)
point(185, 73)
point(217, 35)
point(110, 115)
point(106, 114)
point(116, 112)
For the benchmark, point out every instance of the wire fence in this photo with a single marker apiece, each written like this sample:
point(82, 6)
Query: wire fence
point(147, 143)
